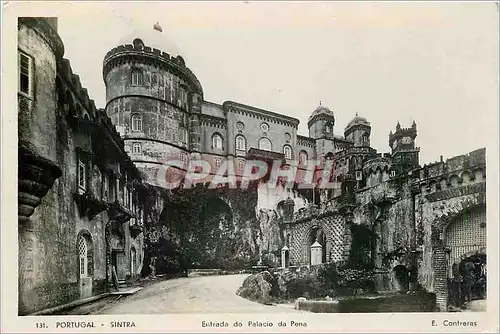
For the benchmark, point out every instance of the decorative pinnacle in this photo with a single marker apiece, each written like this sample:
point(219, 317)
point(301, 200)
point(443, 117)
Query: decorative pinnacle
point(356, 113)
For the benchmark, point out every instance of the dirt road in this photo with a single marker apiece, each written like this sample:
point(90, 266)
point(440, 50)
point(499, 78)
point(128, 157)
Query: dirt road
point(208, 294)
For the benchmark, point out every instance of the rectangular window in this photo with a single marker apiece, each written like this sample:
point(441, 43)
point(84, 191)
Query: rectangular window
point(111, 188)
point(148, 79)
point(154, 78)
point(25, 74)
point(241, 164)
point(105, 186)
point(82, 181)
point(137, 79)
point(125, 196)
point(217, 162)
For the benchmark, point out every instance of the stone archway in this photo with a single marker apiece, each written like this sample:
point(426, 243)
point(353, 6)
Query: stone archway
point(454, 236)
point(215, 233)
point(316, 234)
point(401, 278)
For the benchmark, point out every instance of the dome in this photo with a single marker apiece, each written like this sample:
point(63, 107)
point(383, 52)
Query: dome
point(153, 36)
point(358, 120)
point(321, 110)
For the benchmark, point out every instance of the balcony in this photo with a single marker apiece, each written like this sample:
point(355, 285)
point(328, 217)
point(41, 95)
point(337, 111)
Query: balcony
point(119, 213)
point(135, 227)
point(88, 204)
point(257, 154)
point(36, 175)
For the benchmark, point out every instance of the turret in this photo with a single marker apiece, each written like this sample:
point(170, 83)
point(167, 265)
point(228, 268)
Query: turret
point(358, 131)
point(405, 155)
point(321, 123)
point(153, 99)
point(403, 138)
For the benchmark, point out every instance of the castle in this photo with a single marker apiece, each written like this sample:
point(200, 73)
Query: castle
point(90, 208)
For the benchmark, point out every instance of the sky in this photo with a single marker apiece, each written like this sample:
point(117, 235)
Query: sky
point(432, 63)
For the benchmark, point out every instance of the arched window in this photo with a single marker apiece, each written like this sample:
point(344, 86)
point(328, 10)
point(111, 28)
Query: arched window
point(137, 122)
point(241, 143)
point(82, 256)
point(366, 140)
point(183, 135)
point(287, 150)
point(328, 128)
point(137, 77)
point(303, 158)
point(265, 144)
point(217, 141)
point(241, 165)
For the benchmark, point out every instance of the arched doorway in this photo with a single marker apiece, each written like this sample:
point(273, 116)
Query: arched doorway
point(214, 240)
point(473, 271)
point(401, 277)
point(85, 265)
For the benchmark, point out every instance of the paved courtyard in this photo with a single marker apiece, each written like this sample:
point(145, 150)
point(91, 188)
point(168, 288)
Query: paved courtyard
point(206, 294)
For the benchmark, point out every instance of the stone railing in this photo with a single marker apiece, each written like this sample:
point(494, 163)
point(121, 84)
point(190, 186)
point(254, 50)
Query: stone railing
point(381, 163)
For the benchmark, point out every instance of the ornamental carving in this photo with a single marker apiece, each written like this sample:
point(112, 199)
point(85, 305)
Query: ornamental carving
point(36, 177)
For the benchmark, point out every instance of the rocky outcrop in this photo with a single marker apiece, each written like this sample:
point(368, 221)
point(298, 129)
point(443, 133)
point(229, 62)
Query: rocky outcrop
point(258, 287)
point(271, 237)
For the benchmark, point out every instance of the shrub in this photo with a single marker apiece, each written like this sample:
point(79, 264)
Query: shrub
point(335, 278)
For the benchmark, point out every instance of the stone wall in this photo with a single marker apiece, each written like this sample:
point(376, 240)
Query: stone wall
point(334, 227)
point(63, 131)
point(452, 197)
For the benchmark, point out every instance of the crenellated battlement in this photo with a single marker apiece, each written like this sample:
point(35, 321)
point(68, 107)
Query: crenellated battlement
point(138, 52)
point(403, 132)
point(452, 173)
point(74, 95)
point(75, 101)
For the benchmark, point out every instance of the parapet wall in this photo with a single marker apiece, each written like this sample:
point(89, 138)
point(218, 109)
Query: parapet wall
point(454, 167)
point(176, 64)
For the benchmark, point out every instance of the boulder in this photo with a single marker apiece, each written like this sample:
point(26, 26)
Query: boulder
point(258, 287)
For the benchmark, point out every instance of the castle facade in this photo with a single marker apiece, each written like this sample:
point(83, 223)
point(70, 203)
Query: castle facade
point(89, 199)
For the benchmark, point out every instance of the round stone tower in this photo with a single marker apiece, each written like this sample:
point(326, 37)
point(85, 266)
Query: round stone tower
point(154, 101)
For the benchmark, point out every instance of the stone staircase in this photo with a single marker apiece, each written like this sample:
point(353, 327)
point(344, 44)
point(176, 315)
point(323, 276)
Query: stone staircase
point(122, 284)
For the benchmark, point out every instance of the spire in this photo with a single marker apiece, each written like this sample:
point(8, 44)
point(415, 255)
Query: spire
point(319, 102)
point(398, 126)
point(357, 114)
point(157, 27)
